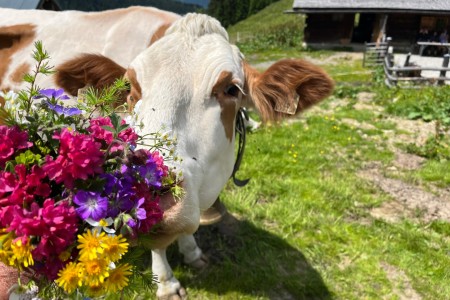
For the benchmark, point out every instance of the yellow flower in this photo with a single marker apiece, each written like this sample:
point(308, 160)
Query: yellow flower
point(95, 290)
point(118, 279)
point(115, 247)
point(91, 244)
point(69, 277)
point(5, 247)
point(21, 252)
point(94, 271)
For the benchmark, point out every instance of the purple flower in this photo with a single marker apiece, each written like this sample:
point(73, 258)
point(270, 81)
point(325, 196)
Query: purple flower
point(140, 212)
point(132, 223)
point(52, 93)
point(119, 191)
point(61, 110)
point(110, 183)
point(90, 205)
point(150, 173)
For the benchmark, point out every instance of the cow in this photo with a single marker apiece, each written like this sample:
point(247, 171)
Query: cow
point(119, 34)
point(192, 82)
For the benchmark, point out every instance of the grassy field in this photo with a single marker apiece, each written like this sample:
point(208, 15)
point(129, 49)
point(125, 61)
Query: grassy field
point(339, 205)
point(307, 227)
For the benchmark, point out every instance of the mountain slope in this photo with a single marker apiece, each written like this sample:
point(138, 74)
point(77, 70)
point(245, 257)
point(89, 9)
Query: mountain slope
point(268, 18)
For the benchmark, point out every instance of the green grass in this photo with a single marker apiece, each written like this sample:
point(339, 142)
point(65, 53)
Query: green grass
point(302, 227)
point(265, 20)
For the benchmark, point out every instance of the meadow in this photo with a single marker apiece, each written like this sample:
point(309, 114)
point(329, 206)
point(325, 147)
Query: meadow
point(350, 200)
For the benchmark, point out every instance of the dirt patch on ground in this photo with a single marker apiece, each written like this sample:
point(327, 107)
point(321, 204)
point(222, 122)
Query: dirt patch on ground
point(335, 59)
point(417, 131)
point(407, 161)
point(408, 201)
point(402, 287)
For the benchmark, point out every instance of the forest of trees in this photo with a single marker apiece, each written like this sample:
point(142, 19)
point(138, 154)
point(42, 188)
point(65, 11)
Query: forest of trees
point(229, 12)
point(99, 5)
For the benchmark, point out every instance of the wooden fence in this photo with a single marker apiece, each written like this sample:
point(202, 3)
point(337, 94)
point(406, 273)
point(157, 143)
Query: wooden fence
point(411, 75)
point(374, 54)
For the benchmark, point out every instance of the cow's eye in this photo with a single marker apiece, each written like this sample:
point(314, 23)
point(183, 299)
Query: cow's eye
point(232, 90)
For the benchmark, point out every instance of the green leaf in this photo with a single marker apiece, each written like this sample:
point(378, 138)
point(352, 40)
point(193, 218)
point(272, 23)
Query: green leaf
point(414, 115)
point(115, 121)
point(428, 117)
point(108, 128)
point(123, 127)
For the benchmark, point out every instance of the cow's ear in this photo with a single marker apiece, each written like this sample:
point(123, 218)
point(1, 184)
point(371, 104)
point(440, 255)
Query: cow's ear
point(87, 70)
point(286, 88)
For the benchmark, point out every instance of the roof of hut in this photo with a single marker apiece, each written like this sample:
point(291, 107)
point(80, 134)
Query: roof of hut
point(381, 6)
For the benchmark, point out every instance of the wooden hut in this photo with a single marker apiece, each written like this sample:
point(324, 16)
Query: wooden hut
point(358, 21)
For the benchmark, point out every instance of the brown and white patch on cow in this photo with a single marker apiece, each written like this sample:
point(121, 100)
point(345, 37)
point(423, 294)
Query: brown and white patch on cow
point(159, 33)
point(19, 73)
point(93, 70)
point(290, 84)
point(226, 101)
point(13, 39)
point(135, 89)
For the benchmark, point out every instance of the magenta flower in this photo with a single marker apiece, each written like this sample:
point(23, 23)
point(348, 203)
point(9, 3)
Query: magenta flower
point(54, 226)
point(97, 130)
point(159, 160)
point(24, 187)
point(12, 139)
point(91, 205)
point(154, 215)
point(79, 157)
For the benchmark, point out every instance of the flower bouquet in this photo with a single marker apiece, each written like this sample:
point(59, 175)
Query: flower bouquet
point(75, 192)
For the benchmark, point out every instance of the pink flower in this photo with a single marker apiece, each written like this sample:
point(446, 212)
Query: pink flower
point(61, 225)
point(153, 213)
point(55, 226)
point(98, 132)
point(7, 215)
point(24, 187)
point(106, 137)
point(128, 135)
point(79, 157)
point(11, 140)
point(7, 182)
point(159, 160)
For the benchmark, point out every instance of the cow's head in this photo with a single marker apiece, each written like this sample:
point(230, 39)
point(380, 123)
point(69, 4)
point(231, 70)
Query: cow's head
point(194, 65)
point(193, 81)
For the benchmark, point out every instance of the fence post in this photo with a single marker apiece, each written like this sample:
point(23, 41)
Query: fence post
point(444, 65)
point(407, 60)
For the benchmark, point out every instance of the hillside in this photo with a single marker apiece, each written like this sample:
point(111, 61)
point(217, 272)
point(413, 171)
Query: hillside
point(268, 18)
point(269, 29)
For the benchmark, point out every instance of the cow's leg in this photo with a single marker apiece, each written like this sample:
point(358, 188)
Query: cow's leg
point(192, 254)
point(168, 286)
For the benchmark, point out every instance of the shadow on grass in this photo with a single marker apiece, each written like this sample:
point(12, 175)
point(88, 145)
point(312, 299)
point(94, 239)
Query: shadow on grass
point(246, 260)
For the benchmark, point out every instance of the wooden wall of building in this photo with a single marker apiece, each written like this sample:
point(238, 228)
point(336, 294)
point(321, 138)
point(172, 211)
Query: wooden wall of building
point(329, 28)
point(403, 28)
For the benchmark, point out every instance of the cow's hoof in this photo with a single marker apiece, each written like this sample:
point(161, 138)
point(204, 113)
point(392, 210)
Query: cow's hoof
point(180, 295)
point(200, 263)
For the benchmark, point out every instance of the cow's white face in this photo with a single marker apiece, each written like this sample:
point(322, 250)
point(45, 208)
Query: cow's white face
point(191, 78)
point(191, 82)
